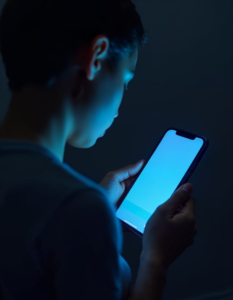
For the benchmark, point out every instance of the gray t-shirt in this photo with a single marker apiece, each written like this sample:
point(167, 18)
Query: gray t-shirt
point(59, 235)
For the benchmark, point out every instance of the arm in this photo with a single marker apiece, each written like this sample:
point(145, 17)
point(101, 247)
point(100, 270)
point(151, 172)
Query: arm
point(150, 281)
point(126, 279)
point(84, 243)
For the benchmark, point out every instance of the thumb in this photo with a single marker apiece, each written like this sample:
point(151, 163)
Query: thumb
point(134, 169)
point(179, 197)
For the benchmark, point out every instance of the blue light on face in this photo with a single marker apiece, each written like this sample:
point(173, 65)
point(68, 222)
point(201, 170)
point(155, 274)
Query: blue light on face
point(159, 179)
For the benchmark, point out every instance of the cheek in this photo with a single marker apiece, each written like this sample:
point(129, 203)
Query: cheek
point(118, 96)
point(113, 102)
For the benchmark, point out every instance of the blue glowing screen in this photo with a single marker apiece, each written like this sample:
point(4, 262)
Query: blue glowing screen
point(159, 179)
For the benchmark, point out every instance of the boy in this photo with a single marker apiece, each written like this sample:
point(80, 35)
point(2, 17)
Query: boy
point(68, 63)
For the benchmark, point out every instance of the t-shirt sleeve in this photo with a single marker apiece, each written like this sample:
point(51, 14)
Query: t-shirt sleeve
point(84, 243)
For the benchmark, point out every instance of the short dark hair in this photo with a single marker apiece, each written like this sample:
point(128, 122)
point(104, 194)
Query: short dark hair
point(38, 37)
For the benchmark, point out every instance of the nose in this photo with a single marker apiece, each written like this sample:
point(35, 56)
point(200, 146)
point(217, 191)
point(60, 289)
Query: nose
point(117, 114)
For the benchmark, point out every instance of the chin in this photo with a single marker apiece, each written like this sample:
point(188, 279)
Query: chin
point(88, 146)
point(84, 145)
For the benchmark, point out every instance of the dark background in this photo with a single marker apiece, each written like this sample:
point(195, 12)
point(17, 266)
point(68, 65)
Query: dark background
point(184, 79)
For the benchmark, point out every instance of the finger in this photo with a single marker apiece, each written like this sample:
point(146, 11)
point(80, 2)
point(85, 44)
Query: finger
point(178, 198)
point(128, 171)
point(129, 182)
point(189, 207)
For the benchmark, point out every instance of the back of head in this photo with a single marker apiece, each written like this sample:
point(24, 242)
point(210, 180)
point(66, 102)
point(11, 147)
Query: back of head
point(38, 38)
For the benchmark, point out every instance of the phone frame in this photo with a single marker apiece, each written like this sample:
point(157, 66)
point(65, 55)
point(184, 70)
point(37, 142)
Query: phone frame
point(187, 175)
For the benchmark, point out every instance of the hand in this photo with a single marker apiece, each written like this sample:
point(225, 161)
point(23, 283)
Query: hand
point(168, 232)
point(119, 182)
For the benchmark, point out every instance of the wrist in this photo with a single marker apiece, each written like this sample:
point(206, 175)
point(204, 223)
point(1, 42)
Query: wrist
point(153, 263)
point(151, 279)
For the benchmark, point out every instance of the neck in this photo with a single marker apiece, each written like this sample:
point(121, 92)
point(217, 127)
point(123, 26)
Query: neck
point(33, 127)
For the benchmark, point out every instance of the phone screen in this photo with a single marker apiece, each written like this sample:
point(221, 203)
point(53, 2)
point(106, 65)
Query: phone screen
point(159, 178)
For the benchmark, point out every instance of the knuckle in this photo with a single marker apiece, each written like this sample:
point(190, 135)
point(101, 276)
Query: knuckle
point(160, 209)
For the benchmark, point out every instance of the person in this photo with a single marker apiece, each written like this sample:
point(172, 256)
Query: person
point(67, 63)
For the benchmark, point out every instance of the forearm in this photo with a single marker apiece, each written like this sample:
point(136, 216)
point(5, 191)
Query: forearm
point(150, 282)
point(126, 277)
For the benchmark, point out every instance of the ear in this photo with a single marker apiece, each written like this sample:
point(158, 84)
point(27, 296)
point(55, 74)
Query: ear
point(98, 50)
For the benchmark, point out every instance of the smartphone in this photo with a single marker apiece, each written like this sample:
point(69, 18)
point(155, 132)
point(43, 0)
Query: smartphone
point(170, 166)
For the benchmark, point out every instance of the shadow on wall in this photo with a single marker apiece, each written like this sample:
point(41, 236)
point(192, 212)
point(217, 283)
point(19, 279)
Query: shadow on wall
point(226, 295)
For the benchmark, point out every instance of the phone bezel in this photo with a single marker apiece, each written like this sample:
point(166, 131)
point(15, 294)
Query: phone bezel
point(187, 174)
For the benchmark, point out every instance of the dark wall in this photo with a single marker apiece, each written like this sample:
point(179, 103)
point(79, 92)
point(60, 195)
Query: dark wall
point(184, 79)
